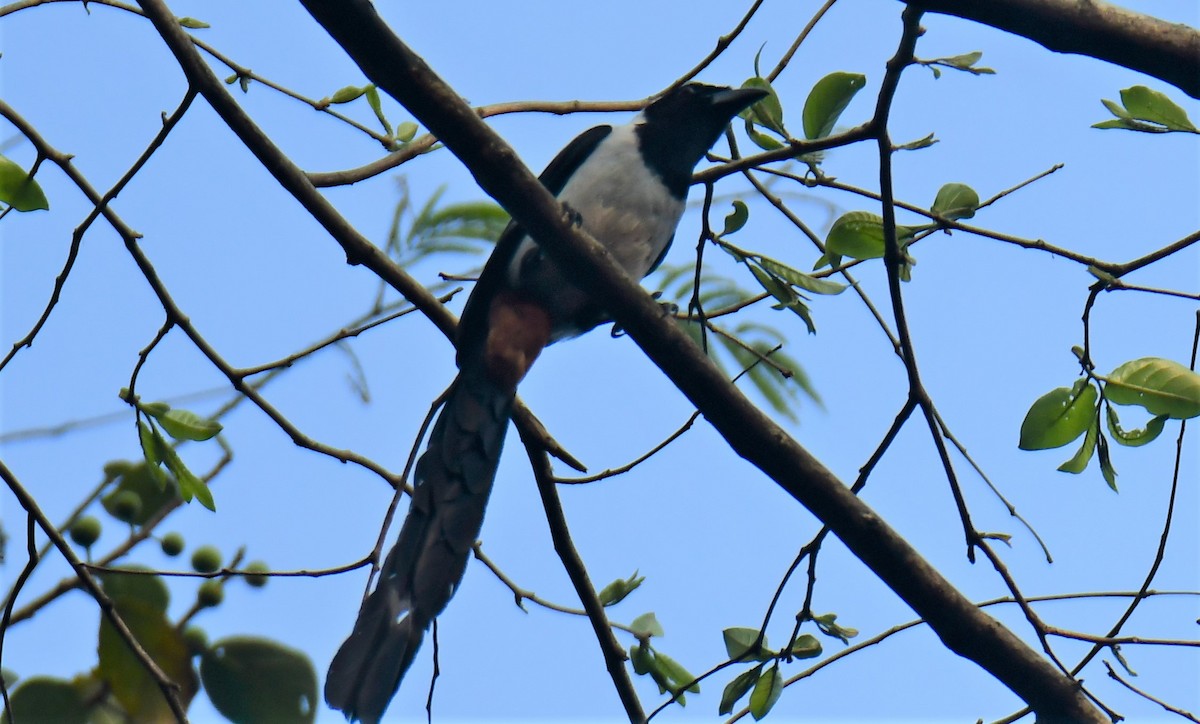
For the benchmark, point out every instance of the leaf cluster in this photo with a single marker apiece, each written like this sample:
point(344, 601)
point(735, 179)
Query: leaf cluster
point(247, 679)
point(1165, 389)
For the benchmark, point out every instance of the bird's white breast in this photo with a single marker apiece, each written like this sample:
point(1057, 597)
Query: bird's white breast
point(624, 205)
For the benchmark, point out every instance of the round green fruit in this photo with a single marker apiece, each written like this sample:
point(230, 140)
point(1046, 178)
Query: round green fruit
point(206, 559)
point(172, 544)
point(256, 574)
point(211, 594)
point(85, 531)
point(126, 506)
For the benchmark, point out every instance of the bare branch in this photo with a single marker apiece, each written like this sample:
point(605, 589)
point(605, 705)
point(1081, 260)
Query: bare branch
point(1167, 51)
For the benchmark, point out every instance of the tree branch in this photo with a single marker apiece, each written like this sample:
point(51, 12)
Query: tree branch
point(964, 629)
point(358, 249)
point(613, 652)
point(169, 689)
point(1167, 51)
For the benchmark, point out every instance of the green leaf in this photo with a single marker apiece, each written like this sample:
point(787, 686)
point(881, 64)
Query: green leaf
point(804, 646)
point(1116, 109)
point(184, 425)
point(144, 481)
point(828, 260)
point(152, 443)
point(1147, 111)
point(193, 24)
point(787, 298)
point(826, 101)
point(656, 672)
point(1150, 105)
point(1134, 438)
point(1059, 416)
point(128, 680)
point(678, 675)
point(251, 679)
point(774, 285)
point(469, 219)
point(154, 409)
point(642, 658)
point(405, 131)
point(737, 218)
point(827, 623)
point(768, 111)
point(616, 591)
point(18, 189)
point(189, 485)
point(739, 644)
point(760, 139)
point(372, 94)
point(737, 688)
point(1079, 462)
point(766, 692)
point(1106, 466)
point(43, 700)
point(797, 278)
point(1161, 386)
point(955, 201)
point(348, 93)
point(965, 62)
point(782, 273)
point(918, 144)
point(856, 234)
point(141, 587)
point(1129, 125)
point(647, 625)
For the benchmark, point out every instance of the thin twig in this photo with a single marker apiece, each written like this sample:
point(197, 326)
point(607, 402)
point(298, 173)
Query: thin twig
point(100, 204)
point(523, 594)
point(1173, 709)
point(808, 28)
point(620, 470)
point(338, 336)
point(1161, 550)
point(232, 570)
point(723, 43)
point(31, 563)
point(884, 635)
point(812, 548)
point(427, 142)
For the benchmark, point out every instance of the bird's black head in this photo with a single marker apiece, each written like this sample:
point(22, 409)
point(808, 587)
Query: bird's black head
point(680, 127)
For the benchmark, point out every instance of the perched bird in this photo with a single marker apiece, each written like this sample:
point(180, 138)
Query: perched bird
point(627, 185)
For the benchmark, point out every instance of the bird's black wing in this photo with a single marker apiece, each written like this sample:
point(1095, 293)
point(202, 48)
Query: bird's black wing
point(567, 162)
point(473, 326)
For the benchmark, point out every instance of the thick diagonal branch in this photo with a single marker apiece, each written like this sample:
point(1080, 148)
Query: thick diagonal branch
point(961, 625)
point(1167, 51)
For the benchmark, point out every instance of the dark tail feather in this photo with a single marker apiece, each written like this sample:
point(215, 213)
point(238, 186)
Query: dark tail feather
point(453, 481)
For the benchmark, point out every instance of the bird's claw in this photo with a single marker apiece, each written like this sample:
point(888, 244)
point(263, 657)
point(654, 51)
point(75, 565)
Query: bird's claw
point(573, 217)
point(669, 309)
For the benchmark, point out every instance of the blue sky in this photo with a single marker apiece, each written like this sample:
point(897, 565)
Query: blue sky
point(993, 326)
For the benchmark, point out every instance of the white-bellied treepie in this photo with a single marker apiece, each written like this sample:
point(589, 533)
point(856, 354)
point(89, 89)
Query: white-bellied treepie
point(627, 185)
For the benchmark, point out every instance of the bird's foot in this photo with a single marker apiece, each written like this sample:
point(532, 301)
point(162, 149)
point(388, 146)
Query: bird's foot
point(669, 309)
point(573, 217)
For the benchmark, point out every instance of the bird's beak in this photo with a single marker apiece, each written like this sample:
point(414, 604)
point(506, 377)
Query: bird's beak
point(733, 100)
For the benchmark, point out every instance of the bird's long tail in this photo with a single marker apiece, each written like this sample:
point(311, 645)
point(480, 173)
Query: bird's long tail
point(453, 481)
